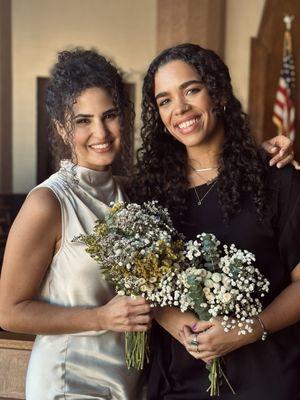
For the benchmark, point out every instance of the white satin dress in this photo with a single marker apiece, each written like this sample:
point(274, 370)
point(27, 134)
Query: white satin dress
point(87, 365)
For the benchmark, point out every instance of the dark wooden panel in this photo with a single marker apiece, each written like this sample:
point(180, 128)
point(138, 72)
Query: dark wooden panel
point(45, 165)
point(9, 207)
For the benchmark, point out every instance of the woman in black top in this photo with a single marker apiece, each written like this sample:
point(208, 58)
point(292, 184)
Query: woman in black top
point(199, 160)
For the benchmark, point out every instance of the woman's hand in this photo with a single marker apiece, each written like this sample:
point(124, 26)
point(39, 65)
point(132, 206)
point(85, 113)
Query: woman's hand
point(282, 151)
point(125, 314)
point(213, 342)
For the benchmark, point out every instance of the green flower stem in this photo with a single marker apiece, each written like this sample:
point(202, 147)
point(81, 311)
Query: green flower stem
point(136, 349)
point(216, 374)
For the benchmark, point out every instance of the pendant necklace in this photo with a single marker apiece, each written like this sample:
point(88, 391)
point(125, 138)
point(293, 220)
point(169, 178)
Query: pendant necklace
point(200, 199)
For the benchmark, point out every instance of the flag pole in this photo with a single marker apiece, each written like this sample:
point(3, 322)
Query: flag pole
point(284, 109)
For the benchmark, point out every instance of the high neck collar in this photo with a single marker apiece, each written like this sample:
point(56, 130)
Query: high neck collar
point(98, 184)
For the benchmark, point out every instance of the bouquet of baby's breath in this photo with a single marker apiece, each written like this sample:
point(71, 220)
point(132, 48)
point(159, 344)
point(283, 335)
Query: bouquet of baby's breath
point(140, 252)
point(225, 285)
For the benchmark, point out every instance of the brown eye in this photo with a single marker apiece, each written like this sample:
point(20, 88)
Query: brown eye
point(163, 102)
point(193, 91)
point(82, 121)
point(110, 116)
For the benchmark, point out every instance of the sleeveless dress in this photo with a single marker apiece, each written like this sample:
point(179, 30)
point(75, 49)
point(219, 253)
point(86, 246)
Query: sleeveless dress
point(86, 365)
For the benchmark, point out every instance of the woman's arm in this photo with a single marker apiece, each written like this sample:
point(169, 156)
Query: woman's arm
point(33, 240)
point(285, 308)
point(282, 312)
point(173, 320)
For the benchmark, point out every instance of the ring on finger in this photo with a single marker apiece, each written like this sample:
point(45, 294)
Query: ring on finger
point(198, 351)
point(194, 341)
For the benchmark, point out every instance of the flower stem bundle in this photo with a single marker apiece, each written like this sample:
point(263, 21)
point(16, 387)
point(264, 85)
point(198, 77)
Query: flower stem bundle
point(222, 282)
point(139, 252)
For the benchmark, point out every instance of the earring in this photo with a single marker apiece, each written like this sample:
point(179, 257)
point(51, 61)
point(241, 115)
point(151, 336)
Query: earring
point(224, 108)
point(166, 130)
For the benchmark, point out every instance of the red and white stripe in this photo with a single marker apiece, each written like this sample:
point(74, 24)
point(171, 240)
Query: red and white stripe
point(284, 110)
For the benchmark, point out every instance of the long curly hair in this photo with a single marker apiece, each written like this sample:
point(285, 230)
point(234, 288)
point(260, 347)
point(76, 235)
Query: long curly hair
point(75, 71)
point(161, 169)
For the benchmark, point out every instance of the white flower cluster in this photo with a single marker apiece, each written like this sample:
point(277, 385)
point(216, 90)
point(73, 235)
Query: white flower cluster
point(172, 290)
point(228, 285)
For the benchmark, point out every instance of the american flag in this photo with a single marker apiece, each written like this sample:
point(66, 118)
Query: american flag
point(284, 108)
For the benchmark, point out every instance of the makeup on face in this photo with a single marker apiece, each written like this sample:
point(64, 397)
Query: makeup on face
point(96, 136)
point(184, 104)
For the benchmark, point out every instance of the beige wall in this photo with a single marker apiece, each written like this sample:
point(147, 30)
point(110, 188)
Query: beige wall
point(122, 29)
point(242, 23)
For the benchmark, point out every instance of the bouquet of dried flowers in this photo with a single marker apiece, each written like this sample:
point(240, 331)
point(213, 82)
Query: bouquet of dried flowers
point(225, 285)
point(139, 251)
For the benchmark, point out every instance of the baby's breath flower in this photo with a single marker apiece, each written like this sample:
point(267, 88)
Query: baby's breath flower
point(230, 284)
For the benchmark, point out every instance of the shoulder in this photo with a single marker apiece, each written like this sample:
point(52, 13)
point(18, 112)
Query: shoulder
point(39, 219)
point(284, 187)
point(41, 205)
point(285, 178)
point(43, 196)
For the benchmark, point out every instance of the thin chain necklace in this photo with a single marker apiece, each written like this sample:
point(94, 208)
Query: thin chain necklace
point(200, 199)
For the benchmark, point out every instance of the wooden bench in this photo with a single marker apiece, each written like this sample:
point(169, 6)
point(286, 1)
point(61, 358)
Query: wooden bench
point(14, 356)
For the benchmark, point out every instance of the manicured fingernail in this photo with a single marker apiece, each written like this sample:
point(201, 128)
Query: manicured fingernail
point(279, 165)
point(273, 149)
point(271, 163)
point(194, 326)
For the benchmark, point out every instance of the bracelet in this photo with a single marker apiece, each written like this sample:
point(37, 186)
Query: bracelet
point(265, 332)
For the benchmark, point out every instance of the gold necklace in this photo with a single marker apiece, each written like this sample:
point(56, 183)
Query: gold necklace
point(203, 169)
point(197, 172)
point(200, 200)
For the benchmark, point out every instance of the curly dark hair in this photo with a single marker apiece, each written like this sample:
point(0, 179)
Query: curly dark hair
point(161, 169)
point(75, 71)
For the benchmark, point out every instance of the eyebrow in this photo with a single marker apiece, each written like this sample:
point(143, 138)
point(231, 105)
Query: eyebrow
point(182, 86)
point(111, 110)
point(83, 116)
point(114, 109)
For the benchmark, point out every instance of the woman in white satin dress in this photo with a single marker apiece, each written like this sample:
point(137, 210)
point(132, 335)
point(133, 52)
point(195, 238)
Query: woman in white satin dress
point(49, 285)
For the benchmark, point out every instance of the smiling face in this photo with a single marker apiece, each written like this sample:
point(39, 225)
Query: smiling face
point(96, 137)
point(184, 104)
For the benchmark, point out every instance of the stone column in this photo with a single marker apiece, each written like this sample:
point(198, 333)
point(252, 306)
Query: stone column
point(5, 97)
point(197, 21)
